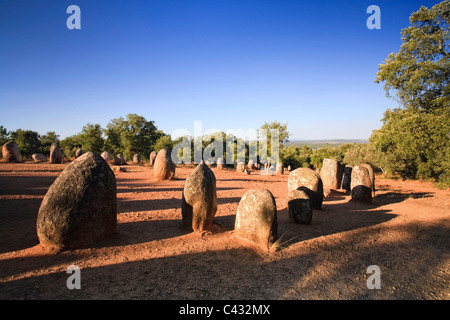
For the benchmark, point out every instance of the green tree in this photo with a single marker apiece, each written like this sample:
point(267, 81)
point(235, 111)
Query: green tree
point(164, 142)
point(4, 135)
point(419, 73)
point(70, 145)
point(91, 138)
point(131, 135)
point(266, 131)
point(414, 144)
point(295, 156)
point(28, 141)
point(414, 139)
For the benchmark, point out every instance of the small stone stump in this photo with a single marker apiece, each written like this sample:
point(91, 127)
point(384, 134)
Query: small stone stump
point(310, 182)
point(299, 207)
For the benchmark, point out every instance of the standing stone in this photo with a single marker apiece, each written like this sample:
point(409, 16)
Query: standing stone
point(152, 157)
point(10, 152)
point(299, 206)
point(361, 184)
point(309, 181)
point(39, 157)
point(240, 167)
point(219, 164)
point(250, 165)
point(331, 174)
point(372, 176)
point(56, 155)
point(137, 158)
point(280, 168)
point(163, 168)
point(79, 208)
point(119, 160)
point(199, 199)
point(347, 178)
point(106, 156)
point(256, 218)
point(79, 153)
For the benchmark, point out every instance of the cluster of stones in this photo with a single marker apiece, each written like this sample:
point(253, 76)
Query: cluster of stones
point(80, 206)
point(359, 180)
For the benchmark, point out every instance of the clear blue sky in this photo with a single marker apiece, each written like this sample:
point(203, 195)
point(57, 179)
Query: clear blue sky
point(232, 64)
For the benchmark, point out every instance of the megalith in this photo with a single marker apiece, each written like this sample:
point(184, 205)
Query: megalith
point(79, 208)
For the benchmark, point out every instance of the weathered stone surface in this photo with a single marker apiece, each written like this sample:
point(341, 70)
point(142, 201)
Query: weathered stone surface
point(152, 157)
point(80, 206)
point(240, 167)
point(56, 154)
point(256, 218)
point(163, 167)
point(299, 206)
point(106, 156)
point(137, 158)
point(79, 153)
point(372, 176)
point(199, 199)
point(347, 178)
point(309, 181)
point(361, 184)
point(119, 160)
point(280, 168)
point(331, 174)
point(39, 157)
point(10, 152)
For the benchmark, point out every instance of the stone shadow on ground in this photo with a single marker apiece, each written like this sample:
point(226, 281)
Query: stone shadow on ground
point(332, 270)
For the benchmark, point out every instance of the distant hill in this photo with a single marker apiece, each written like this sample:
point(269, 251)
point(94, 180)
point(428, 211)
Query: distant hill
point(315, 144)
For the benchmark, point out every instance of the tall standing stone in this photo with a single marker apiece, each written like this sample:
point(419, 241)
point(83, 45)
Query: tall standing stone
point(372, 176)
point(152, 157)
point(137, 158)
point(119, 160)
point(256, 218)
point(163, 168)
point(309, 181)
point(280, 168)
point(79, 153)
point(331, 174)
point(347, 178)
point(79, 208)
point(10, 152)
point(361, 184)
point(199, 199)
point(105, 155)
point(56, 155)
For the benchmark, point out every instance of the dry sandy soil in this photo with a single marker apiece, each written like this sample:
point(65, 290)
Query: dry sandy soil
point(405, 231)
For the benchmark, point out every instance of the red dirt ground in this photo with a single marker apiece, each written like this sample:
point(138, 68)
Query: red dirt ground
point(405, 231)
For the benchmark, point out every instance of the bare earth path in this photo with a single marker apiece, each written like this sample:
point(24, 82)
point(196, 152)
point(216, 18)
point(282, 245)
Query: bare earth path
point(405, 231)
